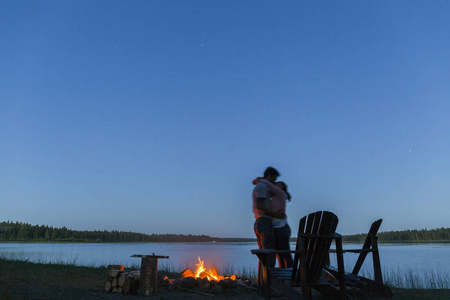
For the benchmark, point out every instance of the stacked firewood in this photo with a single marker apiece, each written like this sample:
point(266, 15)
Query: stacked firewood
point(119, 280)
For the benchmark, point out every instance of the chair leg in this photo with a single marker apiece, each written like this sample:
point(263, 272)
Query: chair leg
point(341, 271)
point(306, 290)
point(367, 244)
point(266, 282)
point(376, 261)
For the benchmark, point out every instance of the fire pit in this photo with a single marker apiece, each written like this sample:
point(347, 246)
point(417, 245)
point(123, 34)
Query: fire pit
point(202, 280)
point(206, 280)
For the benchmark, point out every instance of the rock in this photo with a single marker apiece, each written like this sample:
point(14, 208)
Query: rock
point(217, 289)
point(213, 283)
point(227, 283)
point(177, 282)
point(205, 286)
point(241, 283)
point(203, 275)
point(188, 283)
point(186, 273)
point(201, 281)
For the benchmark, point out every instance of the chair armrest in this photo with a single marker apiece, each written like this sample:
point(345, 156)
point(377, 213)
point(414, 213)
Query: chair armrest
point(274, 251)
point(352, 250)
point(322, 236)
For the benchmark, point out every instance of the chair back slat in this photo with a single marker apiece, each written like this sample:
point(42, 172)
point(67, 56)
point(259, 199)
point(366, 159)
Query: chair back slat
point(315, 249)
point(296, 265)
point(327, 226)
point(311, 243)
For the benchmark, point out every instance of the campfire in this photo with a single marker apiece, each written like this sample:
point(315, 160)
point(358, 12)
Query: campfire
point(206, 280)
point(202, 272)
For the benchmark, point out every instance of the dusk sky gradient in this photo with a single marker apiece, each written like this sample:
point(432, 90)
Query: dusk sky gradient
point(155, 116)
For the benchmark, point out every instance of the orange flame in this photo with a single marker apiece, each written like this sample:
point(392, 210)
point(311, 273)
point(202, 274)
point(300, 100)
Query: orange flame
point(200, 268)
point(202, 272)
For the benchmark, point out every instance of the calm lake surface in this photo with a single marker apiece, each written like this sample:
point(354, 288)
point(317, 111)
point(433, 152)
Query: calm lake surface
point(432, 258)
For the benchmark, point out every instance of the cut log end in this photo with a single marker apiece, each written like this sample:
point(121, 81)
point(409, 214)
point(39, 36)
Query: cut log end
point(108, 286)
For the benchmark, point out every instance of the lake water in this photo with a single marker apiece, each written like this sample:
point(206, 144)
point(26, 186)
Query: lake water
point(429, 264)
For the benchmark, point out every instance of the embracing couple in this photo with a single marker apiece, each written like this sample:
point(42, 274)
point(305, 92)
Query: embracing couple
point(269, 207)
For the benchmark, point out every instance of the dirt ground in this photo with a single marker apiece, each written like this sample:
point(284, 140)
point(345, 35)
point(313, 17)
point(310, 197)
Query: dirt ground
point(15, 290)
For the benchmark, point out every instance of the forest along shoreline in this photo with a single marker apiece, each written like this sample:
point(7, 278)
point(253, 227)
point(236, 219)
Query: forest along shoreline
point(24, 232)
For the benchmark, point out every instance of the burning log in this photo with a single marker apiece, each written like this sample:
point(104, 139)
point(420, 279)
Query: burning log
point(203, 274)
point(186, 273)
point(214, 272)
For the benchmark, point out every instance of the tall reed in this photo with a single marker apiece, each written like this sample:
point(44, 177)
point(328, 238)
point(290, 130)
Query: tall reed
point(410, 278)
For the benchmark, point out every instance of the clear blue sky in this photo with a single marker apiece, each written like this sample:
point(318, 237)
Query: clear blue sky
point(155, 116)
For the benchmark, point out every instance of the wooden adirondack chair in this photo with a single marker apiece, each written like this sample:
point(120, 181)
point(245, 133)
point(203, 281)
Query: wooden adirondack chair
point(315, 234)
point(370, 246)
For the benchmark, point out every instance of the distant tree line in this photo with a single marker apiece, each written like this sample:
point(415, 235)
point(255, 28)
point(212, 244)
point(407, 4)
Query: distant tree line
point(23, 232)
point(416, 235)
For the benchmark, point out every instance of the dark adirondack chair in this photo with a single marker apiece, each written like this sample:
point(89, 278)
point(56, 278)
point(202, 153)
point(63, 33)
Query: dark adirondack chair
point(370, 245)
point(315, 235)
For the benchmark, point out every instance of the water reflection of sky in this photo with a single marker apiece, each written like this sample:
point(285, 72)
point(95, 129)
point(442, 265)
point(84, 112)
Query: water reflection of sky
point(181, 255)
point(231, 256)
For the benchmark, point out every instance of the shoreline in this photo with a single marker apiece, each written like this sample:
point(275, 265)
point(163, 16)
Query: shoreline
point(206, 242)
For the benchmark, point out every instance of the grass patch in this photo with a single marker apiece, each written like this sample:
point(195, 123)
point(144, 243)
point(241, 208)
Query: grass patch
point(26, 280)
point(409, 278)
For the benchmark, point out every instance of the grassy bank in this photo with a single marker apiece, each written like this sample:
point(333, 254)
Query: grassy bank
point(26, 280)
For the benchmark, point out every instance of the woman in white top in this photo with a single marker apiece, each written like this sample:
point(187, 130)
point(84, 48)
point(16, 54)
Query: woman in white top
point(280, 226)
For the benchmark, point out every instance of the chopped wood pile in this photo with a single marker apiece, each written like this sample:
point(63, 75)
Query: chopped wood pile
point(119, 280)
